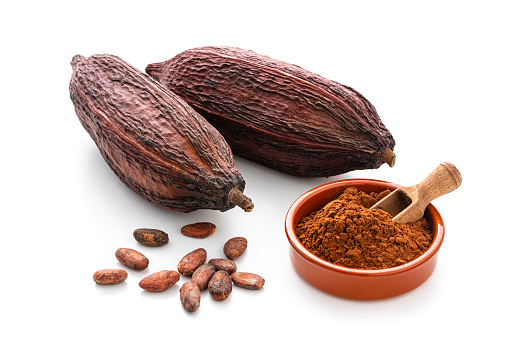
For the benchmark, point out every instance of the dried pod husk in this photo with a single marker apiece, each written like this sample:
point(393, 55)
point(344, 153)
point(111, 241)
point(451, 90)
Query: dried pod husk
point(153, 140)
point(279, 114)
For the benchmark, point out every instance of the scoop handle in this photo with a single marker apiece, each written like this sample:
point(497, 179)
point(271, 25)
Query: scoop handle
point(444, 179)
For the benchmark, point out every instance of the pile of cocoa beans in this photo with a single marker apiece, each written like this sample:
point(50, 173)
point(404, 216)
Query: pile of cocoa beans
point(218, 275)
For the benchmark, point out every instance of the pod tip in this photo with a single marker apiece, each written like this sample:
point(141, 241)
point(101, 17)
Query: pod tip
point(388, 157)
point(236, 197)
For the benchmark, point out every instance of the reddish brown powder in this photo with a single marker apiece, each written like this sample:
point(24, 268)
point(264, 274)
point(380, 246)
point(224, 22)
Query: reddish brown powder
point(347, 233)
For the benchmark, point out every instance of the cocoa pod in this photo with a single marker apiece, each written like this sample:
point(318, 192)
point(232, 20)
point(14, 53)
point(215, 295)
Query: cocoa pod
point(191, 261)
point(248, 280)
point(220, 285)
point(308, 125)
point(151, 237)
point(202, 275)
point(224, 264)
point(153, 140)
point(110, 276)
point(131, 258)
point(159, 281)
point(190, 296)
point(198, 230)
point(234, 247)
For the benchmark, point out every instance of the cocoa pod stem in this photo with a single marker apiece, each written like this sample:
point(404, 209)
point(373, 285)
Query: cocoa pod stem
point(388, 157)
point(238, 198)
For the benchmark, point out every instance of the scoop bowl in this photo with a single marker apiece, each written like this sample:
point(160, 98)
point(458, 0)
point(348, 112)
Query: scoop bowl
point(357, 283)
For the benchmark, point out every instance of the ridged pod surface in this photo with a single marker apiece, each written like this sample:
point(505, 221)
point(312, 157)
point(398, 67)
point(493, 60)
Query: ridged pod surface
point(152, 139)
point(279, 114)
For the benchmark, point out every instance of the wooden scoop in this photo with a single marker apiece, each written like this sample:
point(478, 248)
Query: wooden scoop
point(407, 204)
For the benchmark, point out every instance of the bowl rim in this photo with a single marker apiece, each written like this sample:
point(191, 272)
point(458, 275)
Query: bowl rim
point(310, 257)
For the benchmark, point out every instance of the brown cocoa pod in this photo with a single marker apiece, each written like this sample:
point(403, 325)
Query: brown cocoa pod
point(159, 281)
point(224, 264)
point(198, 230)
point(190, 296)
point(234, 247)
point(131, 258)
point(151, 237)
point(191, 261)
point(248, 280)
point(308, 125)
point(202, 275)
point(153, 140)
point(110, 276)
point(220, 285)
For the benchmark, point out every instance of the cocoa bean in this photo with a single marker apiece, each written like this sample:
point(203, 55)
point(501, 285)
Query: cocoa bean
point(224, 264)
point(131, 258)
point(110, 276)
point(198, 230)
point(248, 280)
point(191, 261)
point(220, 285)
point(234, 247)
point(151, 237)
point(190, 296)
point(202, 275)
point(159, 281)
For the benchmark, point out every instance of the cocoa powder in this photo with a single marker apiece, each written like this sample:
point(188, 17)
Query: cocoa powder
point(347, 233)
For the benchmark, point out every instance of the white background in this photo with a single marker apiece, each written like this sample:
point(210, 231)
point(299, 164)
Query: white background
point(437, 72)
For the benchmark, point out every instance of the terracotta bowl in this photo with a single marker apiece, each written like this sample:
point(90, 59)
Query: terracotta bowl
point(357, 283)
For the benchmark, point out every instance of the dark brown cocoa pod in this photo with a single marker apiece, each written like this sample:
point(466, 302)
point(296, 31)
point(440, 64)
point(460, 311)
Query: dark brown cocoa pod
point(191, 261)
point(201, 276)
point(234, 247)
point(151, 237)
point(153, 140)
point(198, 230)
point(132, 258)
point(110, 276)
point(248, 280)
point(224, 264)
point(308, 125)
point(220, 285)
point(190, 296)
point(159, 281)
